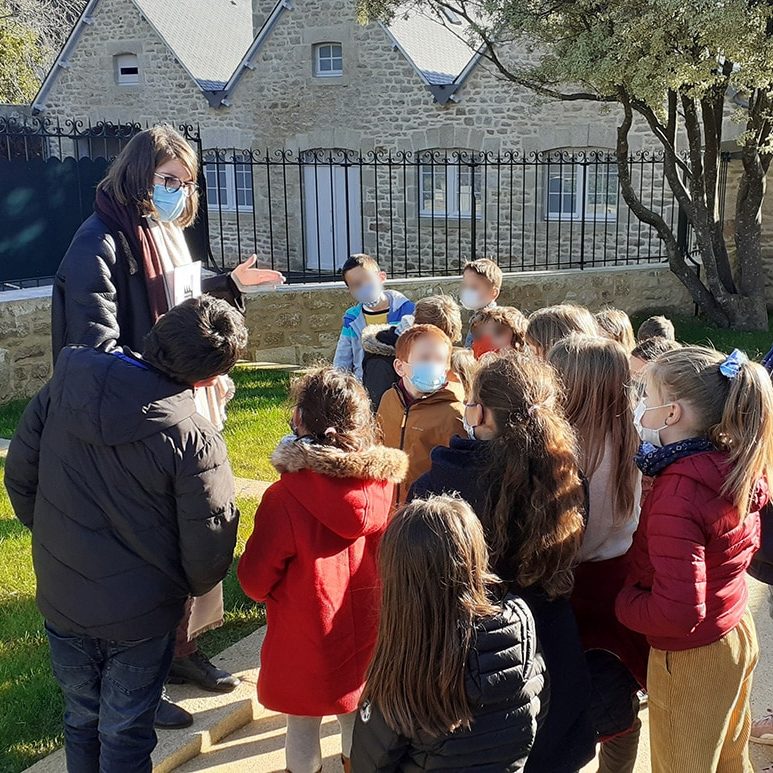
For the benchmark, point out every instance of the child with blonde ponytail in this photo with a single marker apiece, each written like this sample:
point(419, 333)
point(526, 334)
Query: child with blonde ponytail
point(706, 422)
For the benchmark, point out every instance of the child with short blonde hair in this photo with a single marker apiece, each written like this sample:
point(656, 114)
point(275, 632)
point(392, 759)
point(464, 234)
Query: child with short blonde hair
point(706, 422)
point(481, 285)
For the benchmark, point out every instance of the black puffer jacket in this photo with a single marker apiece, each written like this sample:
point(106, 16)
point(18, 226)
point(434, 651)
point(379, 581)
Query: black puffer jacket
point(505, 683)
point(128, 493)
point(100, 298)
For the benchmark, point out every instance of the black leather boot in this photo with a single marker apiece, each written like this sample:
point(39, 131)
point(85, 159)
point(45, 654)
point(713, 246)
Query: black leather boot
point(197, 669)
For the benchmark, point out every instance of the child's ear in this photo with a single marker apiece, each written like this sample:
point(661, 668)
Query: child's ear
point(382, 276)
point(400, 367)
point(496, 292)
point(674, 416)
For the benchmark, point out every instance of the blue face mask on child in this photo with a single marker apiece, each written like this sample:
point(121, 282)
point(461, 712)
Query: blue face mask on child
point(370, 293)
point(428, 377)
point(168, 204)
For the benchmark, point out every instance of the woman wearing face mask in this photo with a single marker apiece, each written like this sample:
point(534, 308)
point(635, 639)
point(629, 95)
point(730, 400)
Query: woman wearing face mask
point(119, 273)
point(127, 264)
point(518, 468)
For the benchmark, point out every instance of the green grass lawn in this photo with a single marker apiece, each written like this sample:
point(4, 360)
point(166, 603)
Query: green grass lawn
point(30, 703)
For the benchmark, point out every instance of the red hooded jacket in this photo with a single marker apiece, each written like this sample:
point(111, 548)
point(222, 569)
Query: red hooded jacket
point(687, 583)
point(312, 559)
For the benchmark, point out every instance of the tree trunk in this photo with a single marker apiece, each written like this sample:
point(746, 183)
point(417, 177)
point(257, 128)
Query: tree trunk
point(750, 312)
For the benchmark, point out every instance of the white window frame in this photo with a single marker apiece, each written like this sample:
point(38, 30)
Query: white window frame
point(127, 60)
point(575, 172)
point(318, 58)
point(230, 172)
point(455, 174)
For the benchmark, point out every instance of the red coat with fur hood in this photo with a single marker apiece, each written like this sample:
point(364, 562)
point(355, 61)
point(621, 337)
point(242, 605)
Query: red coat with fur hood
point(312, 559)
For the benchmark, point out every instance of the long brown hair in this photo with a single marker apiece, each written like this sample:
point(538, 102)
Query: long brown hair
point(335, 408)
point(435, 585)
point(129, 180)
point(549, 325)
point(596, 377)
point(735, 414)
point(534, 509)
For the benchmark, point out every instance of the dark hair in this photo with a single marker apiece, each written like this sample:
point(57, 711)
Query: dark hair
point(435, 588)
point(361, 260)
point(200, 338)
point(129, 180)
point(533, 516)
point(651, 348)
point(660, 326)
point(335, 409)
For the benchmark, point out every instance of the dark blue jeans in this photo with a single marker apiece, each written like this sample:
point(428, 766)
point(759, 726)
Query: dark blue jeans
point(111, 692)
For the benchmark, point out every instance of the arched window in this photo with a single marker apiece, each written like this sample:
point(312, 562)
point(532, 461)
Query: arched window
point(127, 69)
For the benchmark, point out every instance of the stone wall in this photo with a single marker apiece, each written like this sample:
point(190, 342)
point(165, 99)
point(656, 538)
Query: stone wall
point(25, 342)
point(300, 324)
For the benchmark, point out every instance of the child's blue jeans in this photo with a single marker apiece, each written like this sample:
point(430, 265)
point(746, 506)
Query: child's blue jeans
point(111, 692)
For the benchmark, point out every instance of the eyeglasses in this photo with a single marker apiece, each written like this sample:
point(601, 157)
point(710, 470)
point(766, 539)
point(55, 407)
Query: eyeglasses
point(173, 184)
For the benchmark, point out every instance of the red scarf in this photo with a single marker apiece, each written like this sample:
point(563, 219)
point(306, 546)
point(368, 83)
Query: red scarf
point(128, 221)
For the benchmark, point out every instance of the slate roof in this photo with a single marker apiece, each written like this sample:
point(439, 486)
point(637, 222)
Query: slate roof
point(209, 37)
point(437, 48)
point(215, 42)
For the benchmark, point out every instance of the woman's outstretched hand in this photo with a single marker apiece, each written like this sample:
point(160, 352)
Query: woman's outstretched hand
point(248, 275)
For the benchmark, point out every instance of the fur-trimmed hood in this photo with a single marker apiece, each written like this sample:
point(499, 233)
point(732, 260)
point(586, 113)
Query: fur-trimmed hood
point(376, 463)
point(346, 492)
point(372, 343)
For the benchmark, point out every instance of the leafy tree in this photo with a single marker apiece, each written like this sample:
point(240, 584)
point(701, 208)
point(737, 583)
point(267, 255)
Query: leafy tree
point(681, 66)
point(19, 59)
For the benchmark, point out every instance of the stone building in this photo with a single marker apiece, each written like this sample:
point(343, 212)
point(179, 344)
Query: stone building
point(323, 137)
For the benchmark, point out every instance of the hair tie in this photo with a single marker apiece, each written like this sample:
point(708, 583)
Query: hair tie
point(329, 432)
point(732, 364)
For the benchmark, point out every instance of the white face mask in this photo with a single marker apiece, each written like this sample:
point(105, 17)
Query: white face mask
point(647, 434)
point(471, 299)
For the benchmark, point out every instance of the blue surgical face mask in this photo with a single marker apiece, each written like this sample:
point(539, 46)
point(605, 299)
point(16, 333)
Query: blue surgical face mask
point(169, 204)
point(370, 293)
point(428, 377)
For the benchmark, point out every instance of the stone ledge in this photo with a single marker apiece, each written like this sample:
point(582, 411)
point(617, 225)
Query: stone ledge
point(215, 715)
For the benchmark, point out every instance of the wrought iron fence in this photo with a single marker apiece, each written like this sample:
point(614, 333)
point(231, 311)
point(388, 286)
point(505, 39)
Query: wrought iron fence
point(427, 213)
point(419, 213)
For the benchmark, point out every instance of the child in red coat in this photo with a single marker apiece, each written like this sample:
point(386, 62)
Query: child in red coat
point(707, 425)
point(312, 559)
